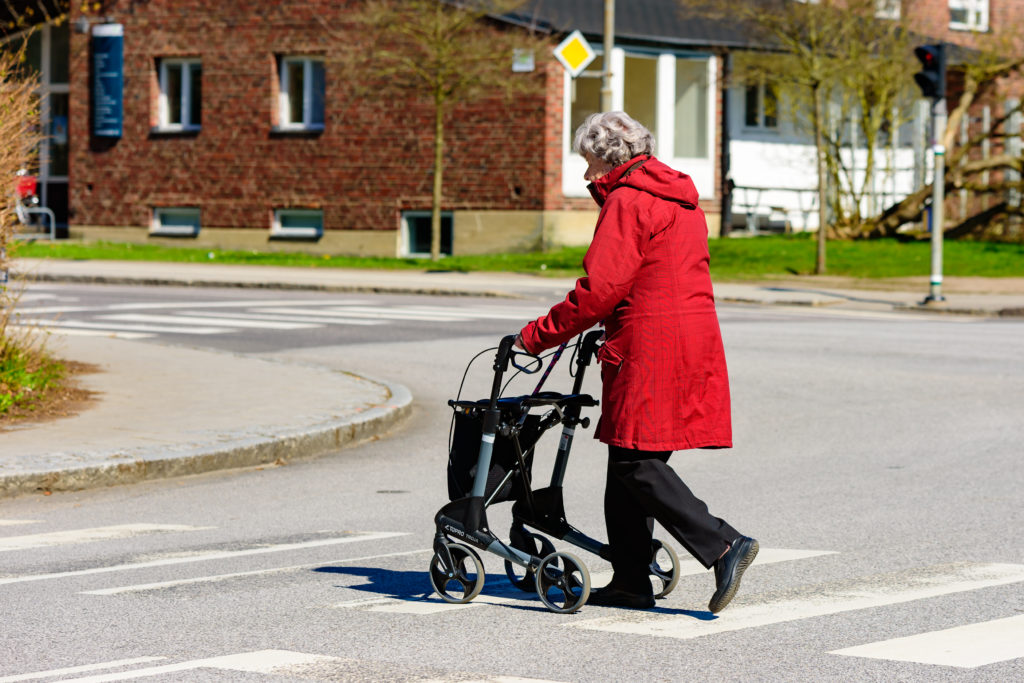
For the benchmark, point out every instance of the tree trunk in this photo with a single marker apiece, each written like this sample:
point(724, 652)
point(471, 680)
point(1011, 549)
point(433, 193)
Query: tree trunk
point(435, 204)
point(819, 142)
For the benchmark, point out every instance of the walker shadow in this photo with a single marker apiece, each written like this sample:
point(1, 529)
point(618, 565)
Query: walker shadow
point(414, 586)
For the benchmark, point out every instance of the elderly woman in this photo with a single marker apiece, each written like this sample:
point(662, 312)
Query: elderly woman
point(665, 385)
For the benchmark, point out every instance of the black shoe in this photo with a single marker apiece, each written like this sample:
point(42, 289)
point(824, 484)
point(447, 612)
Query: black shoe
point(614, 597)
point(728, 571)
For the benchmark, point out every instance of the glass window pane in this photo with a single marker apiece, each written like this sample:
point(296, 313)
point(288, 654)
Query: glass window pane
point(172, 90)
point(771, 106)
point(58, 134)
point(640, 90)
point(318, 93)
point(586, 96)
point(296, 91)
point(750, 106)
point(691, 110)
point(196, 84)
point(303, 219)
point(60, 37)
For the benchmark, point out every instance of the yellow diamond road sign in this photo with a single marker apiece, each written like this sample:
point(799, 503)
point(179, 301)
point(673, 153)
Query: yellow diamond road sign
point(575, 53)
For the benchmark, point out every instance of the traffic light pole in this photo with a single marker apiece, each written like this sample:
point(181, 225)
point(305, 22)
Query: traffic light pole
point(938, 198)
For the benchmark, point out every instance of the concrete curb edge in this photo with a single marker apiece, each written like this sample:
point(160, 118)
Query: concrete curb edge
point(300, 445)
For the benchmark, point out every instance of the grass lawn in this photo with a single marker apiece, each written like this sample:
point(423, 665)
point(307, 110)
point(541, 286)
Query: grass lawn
point(731, 258)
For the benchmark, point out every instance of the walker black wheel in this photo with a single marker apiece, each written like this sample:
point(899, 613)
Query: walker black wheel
point(563, 582)
point(466, 579)
point(531, 543)
point(664, 568)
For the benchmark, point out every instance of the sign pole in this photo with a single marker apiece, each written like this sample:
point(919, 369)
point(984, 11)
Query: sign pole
point(609, 43)
point(938, 199)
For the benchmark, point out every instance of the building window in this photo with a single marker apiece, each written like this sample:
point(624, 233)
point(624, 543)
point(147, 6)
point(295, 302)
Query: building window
point(761, 106)
point(416, 233)
point(181, 94)
point(887, 9)
point(968, 15)
point(585, 95)
point(691, 109)
point(175, 222)
point(301, 224)
point(302, 93)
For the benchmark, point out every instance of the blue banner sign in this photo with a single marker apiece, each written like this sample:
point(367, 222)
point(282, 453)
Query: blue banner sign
point(107, 80)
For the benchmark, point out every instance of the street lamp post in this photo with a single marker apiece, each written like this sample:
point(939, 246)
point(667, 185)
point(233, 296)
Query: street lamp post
point(609, 43)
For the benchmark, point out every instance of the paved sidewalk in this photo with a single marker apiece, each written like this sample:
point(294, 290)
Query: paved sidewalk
point(164, 410)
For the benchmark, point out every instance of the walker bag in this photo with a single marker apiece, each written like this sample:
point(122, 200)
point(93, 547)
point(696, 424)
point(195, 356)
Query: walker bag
point(462, 461)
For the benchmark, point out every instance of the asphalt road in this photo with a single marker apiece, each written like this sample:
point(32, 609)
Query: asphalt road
point(876, 460)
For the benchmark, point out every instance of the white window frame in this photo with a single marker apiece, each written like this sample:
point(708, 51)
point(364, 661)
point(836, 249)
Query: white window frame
point(887, 9)
point(186, 124)
point(284, 99)
point(761, 116)
point(405, 247)
point(306, 233)
point(702, 170)
point(158, 228)
point(977, 15)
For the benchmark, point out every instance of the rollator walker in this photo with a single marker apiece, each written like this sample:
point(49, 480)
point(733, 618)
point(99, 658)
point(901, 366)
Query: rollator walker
point(490, 461)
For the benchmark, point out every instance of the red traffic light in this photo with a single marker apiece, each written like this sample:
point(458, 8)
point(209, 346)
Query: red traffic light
point(932, 76)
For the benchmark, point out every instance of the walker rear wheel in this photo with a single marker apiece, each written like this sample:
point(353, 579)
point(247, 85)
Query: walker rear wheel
point(563, 582)
point(664, 568)
point(531, 543)
point(464, 580)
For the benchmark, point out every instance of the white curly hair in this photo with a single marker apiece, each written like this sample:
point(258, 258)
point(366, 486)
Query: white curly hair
point(614, 137)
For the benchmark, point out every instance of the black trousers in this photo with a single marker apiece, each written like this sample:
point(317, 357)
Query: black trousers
point(642, 488)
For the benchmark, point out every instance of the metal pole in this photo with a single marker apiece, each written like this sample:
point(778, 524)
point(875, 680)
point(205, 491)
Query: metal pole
point(938, 198)
point(609, 43)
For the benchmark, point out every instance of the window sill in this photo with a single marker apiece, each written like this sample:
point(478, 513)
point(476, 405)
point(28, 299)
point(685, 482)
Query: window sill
point(311, 132)
point(190, 132)
point(177, 233)
point(968, 29)
point(296, 235)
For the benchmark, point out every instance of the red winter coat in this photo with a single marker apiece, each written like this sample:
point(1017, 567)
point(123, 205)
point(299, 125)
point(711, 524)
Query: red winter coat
point(665, 384)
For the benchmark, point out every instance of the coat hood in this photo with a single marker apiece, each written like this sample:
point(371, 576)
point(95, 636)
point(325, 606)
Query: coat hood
point(647, 174)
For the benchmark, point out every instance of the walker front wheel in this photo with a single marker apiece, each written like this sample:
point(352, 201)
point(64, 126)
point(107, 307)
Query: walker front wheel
point(563, 582)
point(664, 568)
point(464, 580)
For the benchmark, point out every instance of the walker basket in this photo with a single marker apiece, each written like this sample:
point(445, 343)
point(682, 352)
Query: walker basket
point(462, 460)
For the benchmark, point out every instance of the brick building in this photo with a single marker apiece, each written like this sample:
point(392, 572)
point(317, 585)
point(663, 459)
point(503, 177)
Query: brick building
point(240, 128)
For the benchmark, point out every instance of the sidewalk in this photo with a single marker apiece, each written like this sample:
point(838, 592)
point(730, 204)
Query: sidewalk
point(166, 411)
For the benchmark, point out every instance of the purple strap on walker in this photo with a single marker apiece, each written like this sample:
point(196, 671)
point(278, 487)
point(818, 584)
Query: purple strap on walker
point(554, 359)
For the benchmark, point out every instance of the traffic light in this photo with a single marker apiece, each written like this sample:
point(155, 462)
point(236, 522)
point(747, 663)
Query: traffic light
point(932, 76)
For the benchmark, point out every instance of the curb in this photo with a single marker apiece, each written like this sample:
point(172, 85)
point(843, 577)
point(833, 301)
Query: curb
point(299, 445)
point(236, 284)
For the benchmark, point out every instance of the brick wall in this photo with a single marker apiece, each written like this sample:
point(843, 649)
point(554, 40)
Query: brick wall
point(373, 159)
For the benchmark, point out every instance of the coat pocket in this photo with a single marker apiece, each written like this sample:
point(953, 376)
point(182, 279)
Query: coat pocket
point(609, 356)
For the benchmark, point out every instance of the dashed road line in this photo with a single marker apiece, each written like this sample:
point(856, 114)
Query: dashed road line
point(103, 533)
point(966, 647)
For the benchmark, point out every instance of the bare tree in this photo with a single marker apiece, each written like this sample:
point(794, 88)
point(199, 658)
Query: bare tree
point(819, 54)
point(443, 53)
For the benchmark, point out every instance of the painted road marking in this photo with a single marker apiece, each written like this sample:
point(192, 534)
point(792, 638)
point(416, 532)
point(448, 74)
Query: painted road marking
point(198, 320)
point(230, 316)
point(866, 593)
point(103, 332)
point(203, 557)
point(16, 522)
point(690, 567)
point(144, 306)
point(103, 533)
point(129, 327)
point(364, 312)
point(140, 587)
point(966, 647)
point(263, 661)
point(86, 668)
point(421, 606)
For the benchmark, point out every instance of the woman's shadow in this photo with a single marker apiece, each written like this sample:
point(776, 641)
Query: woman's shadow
point(414, 586)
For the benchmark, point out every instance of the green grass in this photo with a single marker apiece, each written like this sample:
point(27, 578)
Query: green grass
point(26, 375)
point(731, 259)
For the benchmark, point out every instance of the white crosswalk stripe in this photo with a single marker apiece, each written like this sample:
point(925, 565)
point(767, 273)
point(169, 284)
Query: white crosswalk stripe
point(104, 533)
point(144, 319)
point(966, 647)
